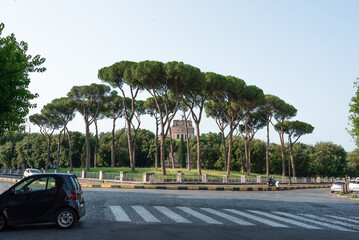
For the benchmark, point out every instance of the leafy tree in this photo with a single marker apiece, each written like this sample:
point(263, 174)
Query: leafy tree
point(328, 159)
point(193, 90)
point(253, 97)
point(151, 107)
point(354, 114)
point(226, 91)
point(295, 129)
point(113, 110)
point(151, 76)
point(117, 76)
point(88, 99)
point(47, 127)
point(266, 112)
point(63, 110)
point(15, 66)
point(281, 112)
point(213, 109)
point(254, 122)
point(353, 163)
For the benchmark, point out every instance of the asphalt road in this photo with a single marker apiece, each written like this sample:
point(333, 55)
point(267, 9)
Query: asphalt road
point(166, 214)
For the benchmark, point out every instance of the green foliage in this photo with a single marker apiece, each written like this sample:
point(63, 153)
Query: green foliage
point(328, 159)
point(15, 66)
point(353, 163)
point(354, 114)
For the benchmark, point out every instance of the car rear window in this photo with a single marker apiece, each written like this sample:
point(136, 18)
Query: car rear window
point(75, 183)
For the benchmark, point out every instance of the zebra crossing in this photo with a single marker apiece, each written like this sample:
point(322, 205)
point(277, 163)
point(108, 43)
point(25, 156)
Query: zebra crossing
point(227, 216)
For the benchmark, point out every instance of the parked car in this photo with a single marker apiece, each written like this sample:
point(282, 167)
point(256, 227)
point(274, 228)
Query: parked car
point(42, 198)
point(30, 171)
point(353, 186)
point(336, 186)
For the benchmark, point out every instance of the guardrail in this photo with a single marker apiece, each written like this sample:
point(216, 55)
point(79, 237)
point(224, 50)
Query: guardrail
point(179, 178)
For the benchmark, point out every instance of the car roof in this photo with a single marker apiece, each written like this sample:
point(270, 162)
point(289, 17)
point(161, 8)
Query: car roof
point(53, 174)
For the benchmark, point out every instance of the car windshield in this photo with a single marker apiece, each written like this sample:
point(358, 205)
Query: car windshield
point(338, 182)
point(34, 171)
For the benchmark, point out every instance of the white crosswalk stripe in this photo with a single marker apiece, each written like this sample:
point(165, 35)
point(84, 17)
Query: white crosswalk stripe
point(343, 218)
point(145, 215)
point(331, 221)
point(285, 220)
point(255, 218)
point(315, 222)
point(162, 214)
point(119, 214)
point(200, 216)
point(172, 215)
point(228, 217)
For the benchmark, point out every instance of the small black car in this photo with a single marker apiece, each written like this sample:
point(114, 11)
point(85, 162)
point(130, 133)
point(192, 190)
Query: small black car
point(42, 198)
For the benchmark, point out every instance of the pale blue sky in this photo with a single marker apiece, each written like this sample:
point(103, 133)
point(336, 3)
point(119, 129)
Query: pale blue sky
point(305, 52)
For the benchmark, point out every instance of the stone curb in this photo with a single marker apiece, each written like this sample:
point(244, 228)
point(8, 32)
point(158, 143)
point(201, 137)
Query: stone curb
point(198, 188)
point(205, 188)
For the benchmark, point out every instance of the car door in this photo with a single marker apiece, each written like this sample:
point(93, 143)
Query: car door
point(32, 200)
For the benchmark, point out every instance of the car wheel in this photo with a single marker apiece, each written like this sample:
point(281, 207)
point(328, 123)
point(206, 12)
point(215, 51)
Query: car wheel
point(332, 191)
point(66, 218)
point(2, 222)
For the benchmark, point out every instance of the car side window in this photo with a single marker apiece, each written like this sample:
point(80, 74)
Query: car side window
point(51, 184)
point(32, 185)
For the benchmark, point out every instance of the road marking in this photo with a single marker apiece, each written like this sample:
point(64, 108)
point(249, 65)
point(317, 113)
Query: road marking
point(315, 222)
point(258, 219)
point(169, 213)
point(228, 217)
point(285, 220)
point(343, 218)
point(145, 215)
point(200, 216)
point(331, 221)
point(119, 214)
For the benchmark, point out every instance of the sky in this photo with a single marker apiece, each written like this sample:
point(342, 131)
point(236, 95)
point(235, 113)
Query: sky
point(305, 52)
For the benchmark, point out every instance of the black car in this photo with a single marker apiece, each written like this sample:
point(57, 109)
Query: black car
point(42, 198)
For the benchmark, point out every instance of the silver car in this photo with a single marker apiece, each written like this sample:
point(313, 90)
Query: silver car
point(30, 171)
point(336, 186)
point(353, 186)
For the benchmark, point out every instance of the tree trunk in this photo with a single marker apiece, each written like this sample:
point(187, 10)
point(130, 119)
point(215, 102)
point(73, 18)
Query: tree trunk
point(88, 146)
point(246, 153)
point(58, 150)
point(156, 140)
point(282, 148)
point(291, 156)
point(163, 153)
point(267, 151)
point(113, 144)
point(249, 167)
point(189, 165)
point(199, 172)
point(48, 155)
point(129, 142)
point(241, 155)
point(70, 149)
point(96, 146)
point(229, 149)
point(171, 148)
point(224, 149)
point(247, 142)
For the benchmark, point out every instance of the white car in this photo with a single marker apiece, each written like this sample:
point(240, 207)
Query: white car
point(336, 186)
point(30, 172)
point(353, 186)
